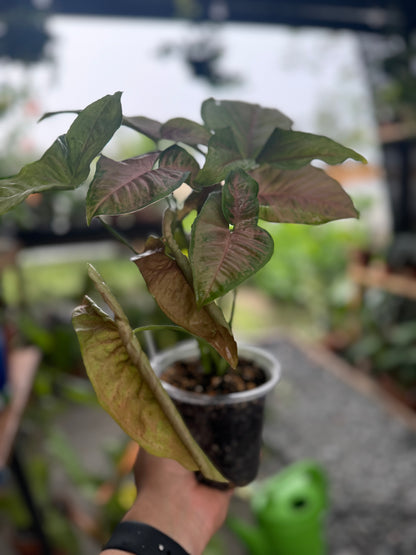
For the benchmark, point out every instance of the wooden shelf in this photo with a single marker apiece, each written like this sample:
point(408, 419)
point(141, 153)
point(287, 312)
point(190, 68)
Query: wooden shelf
point(378, 277)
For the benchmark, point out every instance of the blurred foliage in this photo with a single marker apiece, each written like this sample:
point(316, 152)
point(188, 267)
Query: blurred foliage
point(24, 36)
point(387, 340)
point(310, 272)
point(391, 69)
point(58, 529)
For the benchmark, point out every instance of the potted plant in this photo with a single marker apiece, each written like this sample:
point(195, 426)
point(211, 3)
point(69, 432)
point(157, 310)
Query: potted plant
point(242, 164)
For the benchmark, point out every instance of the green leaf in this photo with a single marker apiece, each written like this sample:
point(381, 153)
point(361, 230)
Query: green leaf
point(251, 124)
point(66, 164)
point(222, 258)
point(176, 298)
point(128, 186)
point(307, 196)
point(178, 158)
point(91, 131)
point(50, 172)
point(185, 131)
point(222, 157)
point(127, 387)
point(291, 150)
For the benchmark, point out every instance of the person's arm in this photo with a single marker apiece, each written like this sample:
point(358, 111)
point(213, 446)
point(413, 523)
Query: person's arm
point(170, 499)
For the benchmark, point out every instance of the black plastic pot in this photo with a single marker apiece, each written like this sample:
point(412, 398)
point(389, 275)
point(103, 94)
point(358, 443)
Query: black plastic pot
point(227, 427)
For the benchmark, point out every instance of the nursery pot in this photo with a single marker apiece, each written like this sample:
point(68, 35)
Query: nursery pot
point(228, 427)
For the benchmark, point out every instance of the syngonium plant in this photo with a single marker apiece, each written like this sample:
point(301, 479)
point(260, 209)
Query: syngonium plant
point(242, 164)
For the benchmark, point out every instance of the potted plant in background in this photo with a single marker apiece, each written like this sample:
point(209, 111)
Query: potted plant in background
point(242, 164)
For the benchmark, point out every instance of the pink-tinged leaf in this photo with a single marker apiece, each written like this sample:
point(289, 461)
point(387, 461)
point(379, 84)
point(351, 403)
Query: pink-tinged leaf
point(128, 186)
point(130, 392)
point(147, 126)
point(182, 130)
point(222, 157)
point(307, 196)
point(196, 199)
point(222, 258)
point(251, 124)
point(176, 298)
point(177, 158)
point(239, 198)
point(290, 150)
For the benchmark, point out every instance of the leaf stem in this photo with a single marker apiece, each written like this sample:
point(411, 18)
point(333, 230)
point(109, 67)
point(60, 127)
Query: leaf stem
point(230, 321)
point(117, 235)
point(157, 327)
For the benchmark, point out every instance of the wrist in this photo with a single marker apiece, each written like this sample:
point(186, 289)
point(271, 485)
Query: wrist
point(178, 526)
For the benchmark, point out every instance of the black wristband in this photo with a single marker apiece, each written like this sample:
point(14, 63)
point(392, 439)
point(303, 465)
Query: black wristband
point(142, 539)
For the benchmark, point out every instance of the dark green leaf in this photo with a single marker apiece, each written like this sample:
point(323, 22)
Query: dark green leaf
point(146, 126)
point(66, 164)
point(185, 131)
point(91, 131)
point(50, 172)
point(290, 150)
point(251, 124)
point(307, 195)
point(223, 156)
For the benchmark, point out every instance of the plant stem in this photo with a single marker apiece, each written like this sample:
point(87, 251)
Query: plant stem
point(230, 321)
point(117, 235)
point(157, 327)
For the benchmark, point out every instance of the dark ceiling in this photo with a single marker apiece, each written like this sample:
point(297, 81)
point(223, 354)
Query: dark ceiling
point(367, 15)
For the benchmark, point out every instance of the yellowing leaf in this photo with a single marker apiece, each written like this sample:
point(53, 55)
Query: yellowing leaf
point(128, 389)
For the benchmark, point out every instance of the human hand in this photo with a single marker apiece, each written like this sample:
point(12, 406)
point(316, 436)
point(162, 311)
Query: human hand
point(170, 499)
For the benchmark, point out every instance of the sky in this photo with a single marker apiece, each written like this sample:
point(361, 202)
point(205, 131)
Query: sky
point(314, 76)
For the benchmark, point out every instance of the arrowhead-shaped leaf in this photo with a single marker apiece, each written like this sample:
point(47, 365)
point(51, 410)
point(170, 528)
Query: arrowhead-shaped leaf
point(222, 157)
point(307, 195)
point(177, 158)
point(129, 391)
point(182, 130)
point(91, 131)
point(176, 298)
point(66, 164)
point(251, 124)
point(293, 149)
point(146, 126)
point(223, 257)
point(179, 130)
point(128, 186)
point(50, 172)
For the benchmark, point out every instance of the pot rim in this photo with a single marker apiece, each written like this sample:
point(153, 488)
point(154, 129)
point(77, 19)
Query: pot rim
point(188, 349)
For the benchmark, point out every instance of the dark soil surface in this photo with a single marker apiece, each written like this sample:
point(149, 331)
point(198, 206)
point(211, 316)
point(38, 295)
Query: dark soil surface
point(191, 377)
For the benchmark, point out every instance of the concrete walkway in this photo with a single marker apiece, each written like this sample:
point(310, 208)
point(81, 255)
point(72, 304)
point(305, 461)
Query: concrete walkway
point(324, 411)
